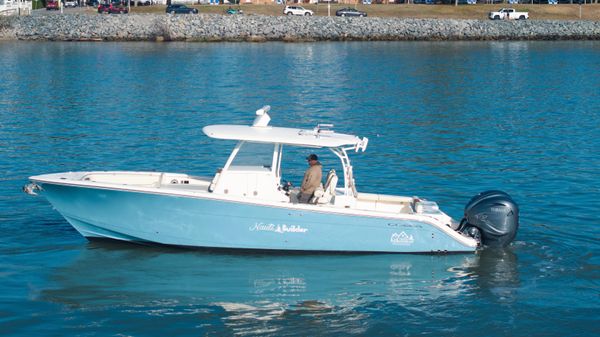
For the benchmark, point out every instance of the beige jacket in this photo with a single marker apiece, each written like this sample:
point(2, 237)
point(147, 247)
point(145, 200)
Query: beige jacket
point(312, 179)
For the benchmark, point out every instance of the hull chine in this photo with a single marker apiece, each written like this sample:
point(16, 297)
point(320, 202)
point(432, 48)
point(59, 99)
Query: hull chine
point(90, 231)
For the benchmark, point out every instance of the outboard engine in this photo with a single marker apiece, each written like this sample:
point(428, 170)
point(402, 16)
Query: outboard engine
point(491, 217)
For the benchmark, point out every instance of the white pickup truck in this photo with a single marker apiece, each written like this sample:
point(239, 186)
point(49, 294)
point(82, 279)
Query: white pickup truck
point(508, 13)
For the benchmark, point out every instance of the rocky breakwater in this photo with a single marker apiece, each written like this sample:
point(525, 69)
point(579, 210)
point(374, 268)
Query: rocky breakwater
point(205, 27)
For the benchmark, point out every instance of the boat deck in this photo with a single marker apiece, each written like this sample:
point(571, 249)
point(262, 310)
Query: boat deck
point(196, 184)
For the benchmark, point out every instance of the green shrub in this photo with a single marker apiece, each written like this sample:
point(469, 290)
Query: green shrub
point(37, 4)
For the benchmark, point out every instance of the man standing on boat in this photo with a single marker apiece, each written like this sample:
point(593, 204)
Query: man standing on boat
point(312, 179)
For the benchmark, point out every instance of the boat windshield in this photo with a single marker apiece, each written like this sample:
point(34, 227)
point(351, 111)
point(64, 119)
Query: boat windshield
point(254, 154)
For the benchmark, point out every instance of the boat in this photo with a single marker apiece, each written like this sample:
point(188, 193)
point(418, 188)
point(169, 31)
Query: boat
point(247, 205)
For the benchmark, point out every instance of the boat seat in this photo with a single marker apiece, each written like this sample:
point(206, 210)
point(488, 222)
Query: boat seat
point(326, 194)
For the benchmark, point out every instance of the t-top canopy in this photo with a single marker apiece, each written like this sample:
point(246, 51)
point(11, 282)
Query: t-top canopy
point(289, 136)
point(260, 132)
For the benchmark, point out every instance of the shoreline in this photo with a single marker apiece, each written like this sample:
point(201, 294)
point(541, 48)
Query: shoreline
point(263, 28)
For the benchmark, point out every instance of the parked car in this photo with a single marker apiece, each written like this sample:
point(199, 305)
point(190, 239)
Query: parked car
point(349, 11)
point(52, 5)
point(297, 10)
point(508, 13)
point(115, 7)
point(180, 9)
point(139, 3)
point(71, 3)
point(92, 3)
point(234, 11)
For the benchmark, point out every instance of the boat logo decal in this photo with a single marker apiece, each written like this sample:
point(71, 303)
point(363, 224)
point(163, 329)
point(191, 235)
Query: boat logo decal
point(277, 228)
point(402, 239)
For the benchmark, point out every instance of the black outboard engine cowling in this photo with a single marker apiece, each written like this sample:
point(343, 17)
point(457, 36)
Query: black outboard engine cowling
point(493, 216)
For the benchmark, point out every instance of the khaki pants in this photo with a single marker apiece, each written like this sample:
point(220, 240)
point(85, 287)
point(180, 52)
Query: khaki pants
point(304, 198)
point(297, 197)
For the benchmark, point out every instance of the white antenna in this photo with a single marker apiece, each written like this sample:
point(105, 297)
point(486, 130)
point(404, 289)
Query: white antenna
point(262, 117)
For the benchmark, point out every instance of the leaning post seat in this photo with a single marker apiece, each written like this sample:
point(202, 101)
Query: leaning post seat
point(326, 195)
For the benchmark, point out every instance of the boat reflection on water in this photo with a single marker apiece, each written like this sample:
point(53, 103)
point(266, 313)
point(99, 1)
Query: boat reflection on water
point(497, 274)
point(246, 287)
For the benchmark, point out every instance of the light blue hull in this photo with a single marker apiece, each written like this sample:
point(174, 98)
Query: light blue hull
point(201, 222)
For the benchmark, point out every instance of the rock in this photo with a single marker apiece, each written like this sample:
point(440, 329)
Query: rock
point(259, 28)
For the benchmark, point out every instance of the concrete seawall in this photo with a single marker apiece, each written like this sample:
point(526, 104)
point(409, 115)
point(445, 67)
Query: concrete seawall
point(206, 27)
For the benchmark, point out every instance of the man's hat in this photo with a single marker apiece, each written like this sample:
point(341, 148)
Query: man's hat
point(312, 157)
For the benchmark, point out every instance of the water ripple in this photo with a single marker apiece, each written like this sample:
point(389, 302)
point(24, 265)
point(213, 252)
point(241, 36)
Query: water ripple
point(445, 121)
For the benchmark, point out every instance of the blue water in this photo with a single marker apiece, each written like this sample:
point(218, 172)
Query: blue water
point(445, 121)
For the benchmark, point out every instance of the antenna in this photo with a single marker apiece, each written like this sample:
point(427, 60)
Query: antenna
point(262, 117)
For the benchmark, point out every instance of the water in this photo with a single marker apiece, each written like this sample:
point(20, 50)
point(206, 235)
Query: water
point(445, 121)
